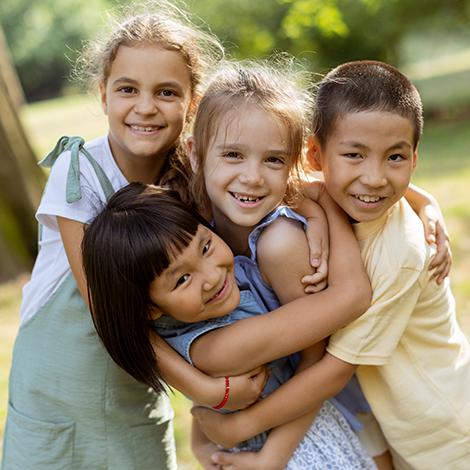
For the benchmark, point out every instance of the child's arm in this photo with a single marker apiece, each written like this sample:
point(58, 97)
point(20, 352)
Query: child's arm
point(277, 450)
point(301, 393)
point(317, 237)
point(426, 206)
point(282, 243)
point(202, 448)
point(300, 323)
point(245, 389)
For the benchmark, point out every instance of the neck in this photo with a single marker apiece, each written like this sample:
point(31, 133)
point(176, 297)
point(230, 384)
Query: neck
point(147, 170)
point(234, 235)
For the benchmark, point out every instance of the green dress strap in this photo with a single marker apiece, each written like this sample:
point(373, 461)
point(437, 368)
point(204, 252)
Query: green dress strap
point(76, 144)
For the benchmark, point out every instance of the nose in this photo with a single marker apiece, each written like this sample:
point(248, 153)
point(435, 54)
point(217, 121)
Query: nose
point(374, 175)
point(211, 277)
point(146, 105)
point(251, 174)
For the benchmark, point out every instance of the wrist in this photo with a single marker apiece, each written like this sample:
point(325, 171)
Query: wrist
point(227, 390)
point(269, 461)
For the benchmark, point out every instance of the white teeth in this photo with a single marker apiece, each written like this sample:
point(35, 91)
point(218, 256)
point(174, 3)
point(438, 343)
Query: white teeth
point(144, 129)
point(245, 198)
point(369, 198)
point(214, 296)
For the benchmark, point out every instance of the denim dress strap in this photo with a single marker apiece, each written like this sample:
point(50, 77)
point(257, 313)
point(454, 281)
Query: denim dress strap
point(75, 145)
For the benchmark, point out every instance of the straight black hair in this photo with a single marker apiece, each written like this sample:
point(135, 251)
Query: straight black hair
point(141, 230)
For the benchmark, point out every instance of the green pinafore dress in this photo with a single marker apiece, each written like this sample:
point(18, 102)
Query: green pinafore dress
point(70, 406)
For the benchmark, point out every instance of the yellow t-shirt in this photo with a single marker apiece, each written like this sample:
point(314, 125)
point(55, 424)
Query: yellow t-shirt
point(414, 359)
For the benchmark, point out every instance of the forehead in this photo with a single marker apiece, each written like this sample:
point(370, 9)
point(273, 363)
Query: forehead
point(246, 122)
point(149, 62)
point(374, 127)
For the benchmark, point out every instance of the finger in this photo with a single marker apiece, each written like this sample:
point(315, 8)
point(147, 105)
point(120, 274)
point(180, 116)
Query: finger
point(261, 377)
point(430, 231)
point(314, 278)
point(444, 273)
point(439, 259)
point(314, 288)
point(315, 254)
point(230, 460)
point(257, 370)
point(323, 269)
point(197, 411)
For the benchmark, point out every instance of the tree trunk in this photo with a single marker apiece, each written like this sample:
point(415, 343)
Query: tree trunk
point(21, 185)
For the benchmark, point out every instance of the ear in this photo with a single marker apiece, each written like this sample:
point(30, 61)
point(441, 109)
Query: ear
point(415, 159)
point(104, 98)
point(314, 153)
point(155, 313)
point(192, 153)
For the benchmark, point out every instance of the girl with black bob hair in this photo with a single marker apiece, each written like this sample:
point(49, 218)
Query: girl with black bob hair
point(131, 242)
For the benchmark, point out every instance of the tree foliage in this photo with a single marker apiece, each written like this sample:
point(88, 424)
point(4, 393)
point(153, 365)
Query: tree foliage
point(43, 33)
point(333, 31)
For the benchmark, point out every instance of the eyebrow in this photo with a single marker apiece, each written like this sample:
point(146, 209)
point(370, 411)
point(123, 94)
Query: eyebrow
point(135, 82)
point(399, 145)
point(237, 146)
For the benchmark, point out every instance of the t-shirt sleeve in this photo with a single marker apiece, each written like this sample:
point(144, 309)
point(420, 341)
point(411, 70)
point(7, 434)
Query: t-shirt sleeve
point(54, 202)
point(373, 337)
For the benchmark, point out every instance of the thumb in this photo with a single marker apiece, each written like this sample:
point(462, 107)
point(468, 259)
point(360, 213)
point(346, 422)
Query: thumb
point(223, 458)
point(196, 411)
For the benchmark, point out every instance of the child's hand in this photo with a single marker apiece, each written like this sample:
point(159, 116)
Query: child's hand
point(246, 389)
point(219, 428)
point(245, 461)
point(202, 448)
point(204, 455)
point(317, 238)
point(435, 231)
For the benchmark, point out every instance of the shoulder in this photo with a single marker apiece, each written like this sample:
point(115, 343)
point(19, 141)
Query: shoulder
point(399, 245)
point(280, 238)
point(80, 179)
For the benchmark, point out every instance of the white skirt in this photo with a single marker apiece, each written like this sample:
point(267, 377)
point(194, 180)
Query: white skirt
point(330, 444)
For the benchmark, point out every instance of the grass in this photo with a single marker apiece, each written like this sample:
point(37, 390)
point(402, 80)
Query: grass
point(444, 170)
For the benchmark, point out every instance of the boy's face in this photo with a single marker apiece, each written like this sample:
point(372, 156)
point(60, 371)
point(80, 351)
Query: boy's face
point(367, 162)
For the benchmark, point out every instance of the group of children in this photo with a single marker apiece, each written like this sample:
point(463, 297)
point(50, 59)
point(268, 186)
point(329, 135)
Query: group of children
point(203, 261)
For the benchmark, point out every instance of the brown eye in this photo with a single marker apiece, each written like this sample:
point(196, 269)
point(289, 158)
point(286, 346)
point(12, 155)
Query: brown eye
point(182, 280)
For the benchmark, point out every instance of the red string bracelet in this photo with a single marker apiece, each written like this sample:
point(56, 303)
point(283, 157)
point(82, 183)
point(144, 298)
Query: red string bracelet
point(227, 389)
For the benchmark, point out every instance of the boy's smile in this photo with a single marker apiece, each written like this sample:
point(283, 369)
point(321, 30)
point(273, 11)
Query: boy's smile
point(367, 162)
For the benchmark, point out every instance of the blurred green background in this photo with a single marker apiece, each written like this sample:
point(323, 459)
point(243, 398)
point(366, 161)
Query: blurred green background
point(429, 40)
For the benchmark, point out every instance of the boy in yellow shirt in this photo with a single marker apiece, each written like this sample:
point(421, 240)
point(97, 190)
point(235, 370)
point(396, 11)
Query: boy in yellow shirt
point(409, 354)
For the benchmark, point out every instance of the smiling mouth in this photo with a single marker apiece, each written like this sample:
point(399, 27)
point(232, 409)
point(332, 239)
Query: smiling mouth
point(369, 198)
point(247, 199)
point(144, 129)
point(220, 291)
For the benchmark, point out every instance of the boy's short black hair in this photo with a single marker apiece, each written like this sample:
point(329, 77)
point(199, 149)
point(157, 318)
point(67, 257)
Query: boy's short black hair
point(365, 86)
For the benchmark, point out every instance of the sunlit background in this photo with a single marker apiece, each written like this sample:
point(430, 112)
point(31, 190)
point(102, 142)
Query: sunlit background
point(429, 40)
